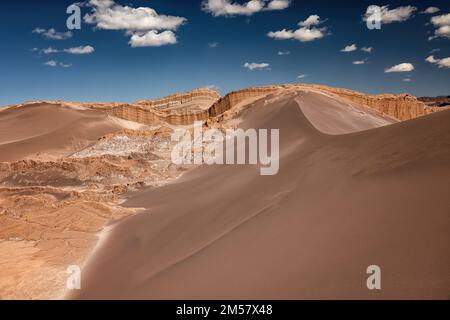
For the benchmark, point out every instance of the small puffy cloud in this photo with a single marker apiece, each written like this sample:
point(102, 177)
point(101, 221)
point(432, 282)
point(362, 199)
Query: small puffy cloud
point(146, 27)
point(431, 59)
point(350, 48)
point(367, 49)
point(284, 53)
point(64, 65)
point(307, 31)
point(153, 39)
point(442, 20)
point(358, 62)
point(230, 8)
point(312, 20)
point(402, 67)
point(441, 63)
point(302, 76)
point(281, 35)
point(53, 34)
point(53, 63)
point(442, 24)
point(431, 10)
point(80, 50)
point(278, 4)
point(74, 50)
point(406, 80)
point(39, 30)
point(49, 50)
point(213, 44)
point(387, 16)
point(256, 66)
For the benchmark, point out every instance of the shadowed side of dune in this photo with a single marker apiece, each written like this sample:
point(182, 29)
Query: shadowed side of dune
point(339, 203)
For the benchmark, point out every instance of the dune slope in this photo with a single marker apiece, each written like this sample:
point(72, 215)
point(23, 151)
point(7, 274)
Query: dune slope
point(345, 197)
point(49, 130)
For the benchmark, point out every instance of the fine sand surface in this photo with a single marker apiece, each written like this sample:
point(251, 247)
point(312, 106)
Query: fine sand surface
point(49, 131)
point(341, 201)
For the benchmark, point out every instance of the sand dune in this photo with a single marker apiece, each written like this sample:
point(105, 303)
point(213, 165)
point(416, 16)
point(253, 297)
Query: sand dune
point(49, 131)
point(348, 194)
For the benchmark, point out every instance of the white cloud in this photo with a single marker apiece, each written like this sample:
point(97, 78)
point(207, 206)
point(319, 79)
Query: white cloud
point(367, 49)
point(53, 63)
point(80, 50)
point(441, 63)
point(402, 67)
point(442, 23)
point(357, 62)
point(229, 8)
point(302, 76)
point(53, 34)
point(431, 10)
point(284, 53)
point(153, 39)
point(350, 48)
point(75, 50)
point(442, 20)
point(281, 35)
point(49, 50)
point(213, 87)
point(213, 44)
point(278, 4)
point(431, 59)
point(389, 16)
point(256, 66)
point(312, 20)
point(307, 31)
point(406, 80)
point(145, 26)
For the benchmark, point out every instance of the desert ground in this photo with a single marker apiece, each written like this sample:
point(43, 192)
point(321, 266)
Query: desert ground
point(363, 180)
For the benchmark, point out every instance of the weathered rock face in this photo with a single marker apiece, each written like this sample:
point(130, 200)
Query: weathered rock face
point(202, 96)
point(402, 106)
point(180, 108)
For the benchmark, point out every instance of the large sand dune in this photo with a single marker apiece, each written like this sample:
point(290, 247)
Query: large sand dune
point(49, 131)
point(354, 189)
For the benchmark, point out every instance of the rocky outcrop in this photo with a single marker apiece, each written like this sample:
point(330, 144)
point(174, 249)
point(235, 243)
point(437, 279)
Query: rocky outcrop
point(201, 96)
point(442, 101)
point(399, 106)
point(179, 108)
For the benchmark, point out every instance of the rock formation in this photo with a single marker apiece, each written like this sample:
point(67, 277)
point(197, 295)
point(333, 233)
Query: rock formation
point(204, 103)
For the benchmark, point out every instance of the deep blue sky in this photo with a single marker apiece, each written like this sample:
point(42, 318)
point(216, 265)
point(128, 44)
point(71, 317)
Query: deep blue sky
point(118, 72)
